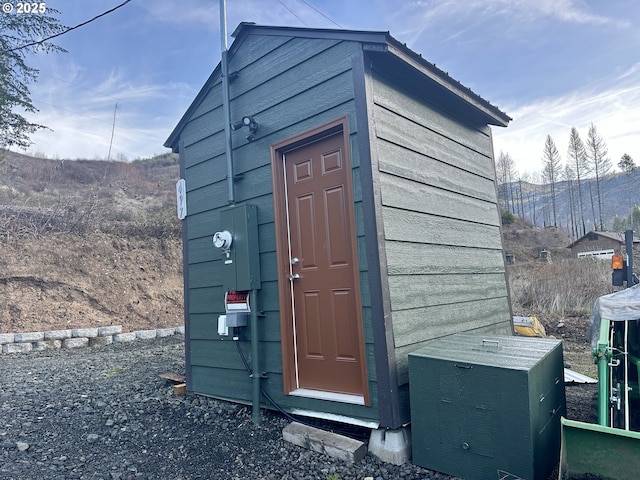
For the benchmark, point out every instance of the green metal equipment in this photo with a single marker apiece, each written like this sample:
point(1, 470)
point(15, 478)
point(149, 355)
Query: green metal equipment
point(610, 449)
point(617, 354)
point(591, 451)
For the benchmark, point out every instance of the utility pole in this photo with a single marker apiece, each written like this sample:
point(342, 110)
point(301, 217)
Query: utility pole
point(113, 129)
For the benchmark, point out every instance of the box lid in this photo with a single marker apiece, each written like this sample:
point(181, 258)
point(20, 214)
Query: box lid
point(518, 353)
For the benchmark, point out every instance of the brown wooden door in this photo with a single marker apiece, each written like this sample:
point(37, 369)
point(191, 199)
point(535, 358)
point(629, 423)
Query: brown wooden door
point(323, 290)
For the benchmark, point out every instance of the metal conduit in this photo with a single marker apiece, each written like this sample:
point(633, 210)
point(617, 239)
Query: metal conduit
point(226, 101)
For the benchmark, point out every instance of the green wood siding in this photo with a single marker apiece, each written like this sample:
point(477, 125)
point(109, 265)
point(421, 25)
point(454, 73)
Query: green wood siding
point(437, 209)
point(288, 85)
point(407, 291)
point(403, 193)
point(442, 241)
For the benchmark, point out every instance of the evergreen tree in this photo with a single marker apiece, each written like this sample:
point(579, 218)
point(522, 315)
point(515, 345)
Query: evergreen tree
point(634, 219)
point(628, 166)
point(619, 224)
point(21, 35)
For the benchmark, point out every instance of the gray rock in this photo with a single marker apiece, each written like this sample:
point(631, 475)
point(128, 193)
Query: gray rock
point(124, 337)
point(46, 345)
point(100, 341)
point(146, 334)
point(28, 337)
point(84, 332)
point(57, 334)
point(110, 330)
point(165, 332)
point(75, 342)
point(16, 347)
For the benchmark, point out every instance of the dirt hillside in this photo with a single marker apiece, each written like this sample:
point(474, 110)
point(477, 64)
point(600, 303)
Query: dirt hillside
point(67, 281)
point(88, 244)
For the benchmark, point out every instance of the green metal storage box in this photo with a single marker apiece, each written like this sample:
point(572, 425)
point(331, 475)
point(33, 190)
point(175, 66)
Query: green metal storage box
point(487, 407)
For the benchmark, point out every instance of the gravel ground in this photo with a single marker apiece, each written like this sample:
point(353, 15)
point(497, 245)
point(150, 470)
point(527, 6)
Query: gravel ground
point(104, 413)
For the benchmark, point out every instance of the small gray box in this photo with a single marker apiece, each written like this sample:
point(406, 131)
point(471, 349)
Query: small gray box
point(487, 406)
point(237, 319)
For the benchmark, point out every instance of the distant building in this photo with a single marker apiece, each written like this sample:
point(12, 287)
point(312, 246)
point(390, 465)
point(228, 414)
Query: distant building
point(600, 244)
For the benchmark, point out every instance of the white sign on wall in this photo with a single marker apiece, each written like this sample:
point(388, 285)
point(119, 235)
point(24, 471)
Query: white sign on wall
point(181, 196)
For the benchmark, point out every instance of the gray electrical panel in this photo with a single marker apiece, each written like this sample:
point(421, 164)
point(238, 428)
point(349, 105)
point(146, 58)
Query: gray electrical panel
point(487, 407)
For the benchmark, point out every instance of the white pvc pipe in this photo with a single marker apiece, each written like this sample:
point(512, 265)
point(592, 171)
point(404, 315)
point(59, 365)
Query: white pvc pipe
point(626, 375)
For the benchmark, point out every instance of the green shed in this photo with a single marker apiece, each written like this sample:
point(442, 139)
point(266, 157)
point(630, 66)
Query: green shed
point(361, 215)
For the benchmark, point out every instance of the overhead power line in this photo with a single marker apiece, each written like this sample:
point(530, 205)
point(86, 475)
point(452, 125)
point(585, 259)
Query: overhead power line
point(321, 13)
point(313, 8)
point(39, 42)
point(292, 12)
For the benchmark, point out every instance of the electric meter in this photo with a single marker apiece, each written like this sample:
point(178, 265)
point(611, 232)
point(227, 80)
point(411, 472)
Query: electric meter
point(222, 240)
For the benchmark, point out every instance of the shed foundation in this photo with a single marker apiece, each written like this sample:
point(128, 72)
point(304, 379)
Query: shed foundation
point(391, 446)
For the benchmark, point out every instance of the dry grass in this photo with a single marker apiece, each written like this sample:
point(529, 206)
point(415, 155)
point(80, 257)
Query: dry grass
point(42, 196)
point(564, 287)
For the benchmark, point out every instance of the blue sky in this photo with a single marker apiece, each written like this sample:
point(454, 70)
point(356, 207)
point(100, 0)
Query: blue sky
point(549, 64)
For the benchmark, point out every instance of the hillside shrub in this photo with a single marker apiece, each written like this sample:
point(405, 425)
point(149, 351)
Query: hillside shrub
point(507, 218)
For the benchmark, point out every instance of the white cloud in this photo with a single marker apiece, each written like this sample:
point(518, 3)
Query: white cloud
point(613, 105)
point(81, 118)
point(415, 17)
point(570, 11)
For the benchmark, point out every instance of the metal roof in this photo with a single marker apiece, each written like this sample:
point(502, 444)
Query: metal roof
point(374, 43)
point(571, 377)
point(617, 236)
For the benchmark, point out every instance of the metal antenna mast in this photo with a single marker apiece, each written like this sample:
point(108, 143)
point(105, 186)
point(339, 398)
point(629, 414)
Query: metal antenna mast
point(226, 100)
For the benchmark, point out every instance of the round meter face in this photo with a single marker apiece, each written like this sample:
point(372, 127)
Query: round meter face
point(222, 239)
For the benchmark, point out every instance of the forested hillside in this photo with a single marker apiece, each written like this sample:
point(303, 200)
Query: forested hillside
point(609, 203)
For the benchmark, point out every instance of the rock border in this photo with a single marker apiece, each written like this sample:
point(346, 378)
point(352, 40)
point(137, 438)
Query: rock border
point(77, 338)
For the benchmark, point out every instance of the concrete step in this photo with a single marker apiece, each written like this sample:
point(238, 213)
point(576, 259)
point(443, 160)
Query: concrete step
point(331, 444)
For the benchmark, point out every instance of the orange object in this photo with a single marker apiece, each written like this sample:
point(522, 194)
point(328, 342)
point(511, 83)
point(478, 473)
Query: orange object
point(617, 262)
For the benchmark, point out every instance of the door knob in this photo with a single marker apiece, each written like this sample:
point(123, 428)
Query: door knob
point(293, 277)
